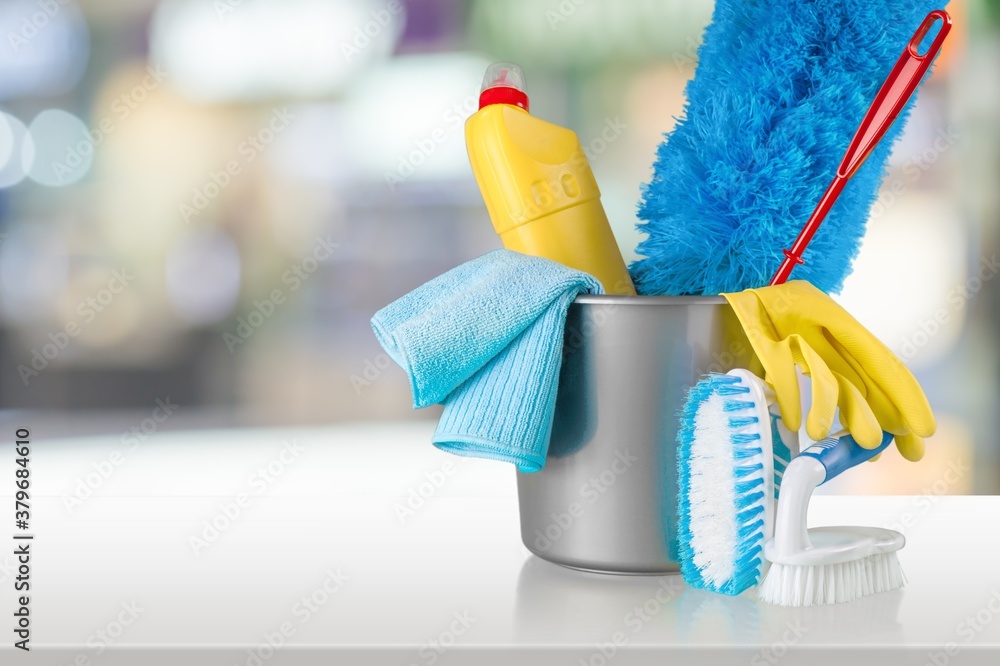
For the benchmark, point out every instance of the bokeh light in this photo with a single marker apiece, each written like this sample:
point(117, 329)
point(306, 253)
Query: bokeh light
point(218, 51)
point(406, 120)
point(44, 48)
point(17, 150)
point(203, 276)
point(33, 270)
point(64, 151)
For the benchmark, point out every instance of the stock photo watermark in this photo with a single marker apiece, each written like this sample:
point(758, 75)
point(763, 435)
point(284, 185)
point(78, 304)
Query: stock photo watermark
point(223, 8)
point(8, 567)
point(102, 470)
point(78, 153)
point(773, 653)
point(967, 631)
point(634, 621)
point(452, 120)
point(107, 635)
point(956, 300)
point(914, 168)
point(642, 614)
point(929, 497)
point(365, 34)
point(231, 511)
point(563, 12)
point(246, 152)
point(589, 493)
point(110, 633)
point(302, 610)
point(432, 650)
point(576, 336)
point(689, 56)
point(432, 482)
point(265, 308)
point(87, 311)
point(34, 23)
point(613, 129)
point(370, 373)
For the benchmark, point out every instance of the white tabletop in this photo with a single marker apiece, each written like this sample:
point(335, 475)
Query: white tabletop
point(448, 583)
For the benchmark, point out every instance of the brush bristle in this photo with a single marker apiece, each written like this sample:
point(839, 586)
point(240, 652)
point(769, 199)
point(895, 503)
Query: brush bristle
point(795, 585)
point(720, 488)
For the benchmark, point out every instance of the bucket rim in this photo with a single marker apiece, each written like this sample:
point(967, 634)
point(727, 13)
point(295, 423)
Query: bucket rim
point(609, 299)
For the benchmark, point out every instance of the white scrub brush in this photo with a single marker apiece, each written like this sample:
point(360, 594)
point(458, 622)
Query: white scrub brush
point(826, 565)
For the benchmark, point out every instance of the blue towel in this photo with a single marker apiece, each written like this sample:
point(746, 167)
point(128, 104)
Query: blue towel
point(485, 339)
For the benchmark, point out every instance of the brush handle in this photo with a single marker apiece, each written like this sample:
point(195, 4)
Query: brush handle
point(808, 470)
point(838, 455)
point(890, 100)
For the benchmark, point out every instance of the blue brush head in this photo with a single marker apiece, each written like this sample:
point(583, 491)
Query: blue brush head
point(723, 458)
point(780, 89)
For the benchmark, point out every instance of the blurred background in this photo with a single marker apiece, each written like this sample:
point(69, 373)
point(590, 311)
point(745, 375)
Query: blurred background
point(203, 203)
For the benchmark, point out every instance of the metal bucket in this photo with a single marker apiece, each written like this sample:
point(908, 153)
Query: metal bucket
point(606, 499)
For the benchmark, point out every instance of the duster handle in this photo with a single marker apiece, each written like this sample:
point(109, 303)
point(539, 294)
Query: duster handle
point(890, 100)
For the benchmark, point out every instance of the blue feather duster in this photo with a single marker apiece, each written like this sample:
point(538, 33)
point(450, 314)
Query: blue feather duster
point(779, 91)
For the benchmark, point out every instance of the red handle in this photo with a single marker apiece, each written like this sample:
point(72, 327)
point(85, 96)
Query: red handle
point(895, 93)
point(890, 100)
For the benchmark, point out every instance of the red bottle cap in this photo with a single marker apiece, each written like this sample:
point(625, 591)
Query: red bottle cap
point(503, 84)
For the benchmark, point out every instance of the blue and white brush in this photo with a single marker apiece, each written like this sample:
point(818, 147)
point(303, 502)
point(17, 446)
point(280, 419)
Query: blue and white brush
point(726, 482)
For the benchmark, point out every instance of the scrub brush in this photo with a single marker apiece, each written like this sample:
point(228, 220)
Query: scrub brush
point(725, 482)
point(826, 565)
point(779, 89)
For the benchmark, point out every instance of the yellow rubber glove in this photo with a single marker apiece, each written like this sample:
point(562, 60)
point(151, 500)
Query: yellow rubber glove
point(795, 324)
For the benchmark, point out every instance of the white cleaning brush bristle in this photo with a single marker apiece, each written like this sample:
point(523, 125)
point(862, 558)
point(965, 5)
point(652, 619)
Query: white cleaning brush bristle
point(818, 585)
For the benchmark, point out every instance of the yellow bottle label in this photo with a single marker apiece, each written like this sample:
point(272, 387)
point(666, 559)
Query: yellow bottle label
point(541, 194)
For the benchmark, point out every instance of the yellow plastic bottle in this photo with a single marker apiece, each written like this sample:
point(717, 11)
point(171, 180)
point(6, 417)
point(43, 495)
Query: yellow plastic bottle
point(537, 184)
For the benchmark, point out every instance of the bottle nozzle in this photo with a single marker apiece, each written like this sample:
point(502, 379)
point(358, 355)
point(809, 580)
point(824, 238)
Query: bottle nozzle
point(504, 84)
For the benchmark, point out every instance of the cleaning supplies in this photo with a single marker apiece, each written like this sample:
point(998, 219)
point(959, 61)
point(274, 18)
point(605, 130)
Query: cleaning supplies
point(486, 340)
point(826, 565)
point(778, 90)
point(894, 94)
point(796, 325)
point(726, 482)
point(537, 184)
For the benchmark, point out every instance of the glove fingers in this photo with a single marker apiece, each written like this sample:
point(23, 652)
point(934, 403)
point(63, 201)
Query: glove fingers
point(781, 375)
point(910, 446)
point(892, 391)
point(879, 405)
point(887, 413)
point(857, 416)
point(854, 351)
point(824, 388)
point(827, 342)
point(873, 411)
point(834, 354)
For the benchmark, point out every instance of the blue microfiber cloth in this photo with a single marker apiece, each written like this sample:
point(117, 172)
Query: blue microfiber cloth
point(779, 91)
point(485, 339)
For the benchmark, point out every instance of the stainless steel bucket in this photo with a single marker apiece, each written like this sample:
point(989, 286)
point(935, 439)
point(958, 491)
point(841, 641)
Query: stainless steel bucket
point(606, 499)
